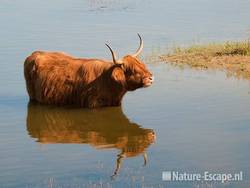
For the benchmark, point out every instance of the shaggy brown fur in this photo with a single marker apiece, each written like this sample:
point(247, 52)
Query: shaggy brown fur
point(60, 79)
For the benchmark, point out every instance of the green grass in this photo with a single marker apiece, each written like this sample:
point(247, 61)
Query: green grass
point(231, 56)
point(227, 48)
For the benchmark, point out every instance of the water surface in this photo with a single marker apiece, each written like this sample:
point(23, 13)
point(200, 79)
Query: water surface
point(188, 120)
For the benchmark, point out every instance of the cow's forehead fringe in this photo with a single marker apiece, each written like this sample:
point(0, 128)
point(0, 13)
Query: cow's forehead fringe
point(133, 63)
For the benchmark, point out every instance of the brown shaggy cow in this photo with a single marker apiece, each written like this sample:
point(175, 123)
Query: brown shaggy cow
point(60, 79)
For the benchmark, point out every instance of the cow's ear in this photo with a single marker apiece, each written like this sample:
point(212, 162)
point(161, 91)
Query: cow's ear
point(118, 75)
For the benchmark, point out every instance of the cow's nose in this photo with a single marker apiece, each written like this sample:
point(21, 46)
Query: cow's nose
point(151, 78)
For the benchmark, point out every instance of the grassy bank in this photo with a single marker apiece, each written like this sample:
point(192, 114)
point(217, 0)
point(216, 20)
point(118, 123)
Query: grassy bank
point(231, 56)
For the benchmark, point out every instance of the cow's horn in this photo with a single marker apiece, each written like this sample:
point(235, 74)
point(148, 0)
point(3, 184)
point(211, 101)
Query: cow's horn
point(139, 50)
point(113, 55)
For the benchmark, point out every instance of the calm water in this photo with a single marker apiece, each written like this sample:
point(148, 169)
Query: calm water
point(188, 121)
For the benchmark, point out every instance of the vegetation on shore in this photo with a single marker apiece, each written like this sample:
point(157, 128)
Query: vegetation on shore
point(231, 56)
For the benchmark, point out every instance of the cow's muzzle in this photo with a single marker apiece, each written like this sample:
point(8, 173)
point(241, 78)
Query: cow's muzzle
point(148, 81)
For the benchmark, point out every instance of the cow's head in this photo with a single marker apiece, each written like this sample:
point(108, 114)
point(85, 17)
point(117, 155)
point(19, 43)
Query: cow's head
point(130, 70)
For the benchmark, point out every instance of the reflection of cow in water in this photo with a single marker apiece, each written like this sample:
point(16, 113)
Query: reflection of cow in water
point(102, 128)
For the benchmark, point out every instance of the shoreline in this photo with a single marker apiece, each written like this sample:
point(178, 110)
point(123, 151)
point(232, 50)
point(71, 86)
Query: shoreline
point(234, 57)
